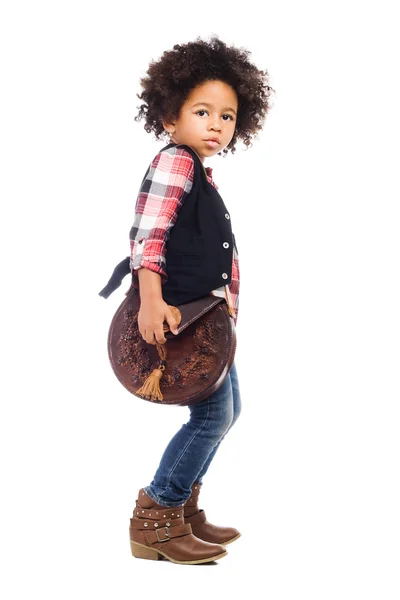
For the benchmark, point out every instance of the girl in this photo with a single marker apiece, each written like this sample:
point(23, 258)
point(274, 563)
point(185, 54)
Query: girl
point(205, 96)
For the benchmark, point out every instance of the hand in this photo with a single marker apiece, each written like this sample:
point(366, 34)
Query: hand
point(152, 314)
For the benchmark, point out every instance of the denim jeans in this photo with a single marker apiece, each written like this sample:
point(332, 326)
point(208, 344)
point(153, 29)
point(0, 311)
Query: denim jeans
point(191, 450)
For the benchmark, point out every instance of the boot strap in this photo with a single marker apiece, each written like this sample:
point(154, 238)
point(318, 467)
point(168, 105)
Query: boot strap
point(197, 518)
point(166, 533)
point(152, 513)
point(151, 524)
point(194, 496)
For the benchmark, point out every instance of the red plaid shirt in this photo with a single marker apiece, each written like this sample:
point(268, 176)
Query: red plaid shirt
point(161, 195)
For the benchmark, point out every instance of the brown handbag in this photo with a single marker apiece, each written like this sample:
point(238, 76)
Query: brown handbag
point(189, 366)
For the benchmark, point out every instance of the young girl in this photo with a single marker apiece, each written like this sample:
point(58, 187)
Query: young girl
point(205, 96)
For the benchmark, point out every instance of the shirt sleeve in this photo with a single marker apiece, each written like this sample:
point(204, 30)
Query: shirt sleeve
point(167, 182)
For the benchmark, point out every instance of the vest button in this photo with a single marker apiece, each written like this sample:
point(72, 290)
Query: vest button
point(224, 276)
point(226, 216)
point(225, 245)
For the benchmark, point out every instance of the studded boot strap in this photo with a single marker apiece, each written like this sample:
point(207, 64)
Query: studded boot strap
point(191, 505)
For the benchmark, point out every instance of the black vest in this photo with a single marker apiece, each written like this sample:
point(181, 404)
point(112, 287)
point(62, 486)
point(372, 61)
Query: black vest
point(200, 245)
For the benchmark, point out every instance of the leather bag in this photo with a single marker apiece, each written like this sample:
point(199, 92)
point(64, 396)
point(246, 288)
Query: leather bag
point(189, 366)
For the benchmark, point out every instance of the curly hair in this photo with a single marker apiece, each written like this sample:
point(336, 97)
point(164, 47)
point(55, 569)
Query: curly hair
point(171, 79)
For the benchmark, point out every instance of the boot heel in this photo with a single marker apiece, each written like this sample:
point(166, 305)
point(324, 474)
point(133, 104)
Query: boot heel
point(139, 551)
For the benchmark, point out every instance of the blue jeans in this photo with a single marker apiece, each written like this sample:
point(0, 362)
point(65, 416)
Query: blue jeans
point(191, 450)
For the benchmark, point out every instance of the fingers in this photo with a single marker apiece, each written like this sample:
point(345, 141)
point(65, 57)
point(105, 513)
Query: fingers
point(159, 335)
point(173, 325)
point(154, 337)
point(150, 340)
point(148, 336)
point(153, 333)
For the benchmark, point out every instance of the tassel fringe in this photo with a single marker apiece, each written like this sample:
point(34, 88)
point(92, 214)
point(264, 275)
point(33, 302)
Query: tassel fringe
point(151, 387)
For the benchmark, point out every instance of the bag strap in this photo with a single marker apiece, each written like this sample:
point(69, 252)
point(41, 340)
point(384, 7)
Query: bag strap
point(194, 308)
point(121, 270)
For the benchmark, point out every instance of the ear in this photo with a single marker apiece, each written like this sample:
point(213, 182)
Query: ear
point(170, 127)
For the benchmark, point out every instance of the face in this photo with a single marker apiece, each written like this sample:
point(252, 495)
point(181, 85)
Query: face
point(210, 111)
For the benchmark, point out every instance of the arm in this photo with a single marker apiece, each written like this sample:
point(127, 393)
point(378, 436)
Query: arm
point(153, 309)
point(166, 184)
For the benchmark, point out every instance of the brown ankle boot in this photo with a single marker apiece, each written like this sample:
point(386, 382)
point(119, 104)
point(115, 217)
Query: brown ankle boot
point(156, 531)
point(201, 527)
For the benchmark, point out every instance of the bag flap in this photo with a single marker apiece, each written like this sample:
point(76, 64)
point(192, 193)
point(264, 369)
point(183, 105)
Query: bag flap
point(191, 311)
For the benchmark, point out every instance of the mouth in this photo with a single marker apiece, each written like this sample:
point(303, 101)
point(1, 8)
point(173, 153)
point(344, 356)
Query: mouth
point(212, 142)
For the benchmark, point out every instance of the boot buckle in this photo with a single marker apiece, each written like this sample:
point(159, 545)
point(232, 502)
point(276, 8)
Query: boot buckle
point(166, 532)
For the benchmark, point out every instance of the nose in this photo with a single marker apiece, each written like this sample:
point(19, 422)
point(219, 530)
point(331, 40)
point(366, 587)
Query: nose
point(214, 123)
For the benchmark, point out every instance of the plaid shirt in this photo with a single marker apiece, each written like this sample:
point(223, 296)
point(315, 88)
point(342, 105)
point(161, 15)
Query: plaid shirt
point(161, 195)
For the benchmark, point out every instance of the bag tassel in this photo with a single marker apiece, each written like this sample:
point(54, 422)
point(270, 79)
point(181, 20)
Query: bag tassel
point(151, 387)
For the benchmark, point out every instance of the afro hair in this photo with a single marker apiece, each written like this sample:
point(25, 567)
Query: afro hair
point(171, 79)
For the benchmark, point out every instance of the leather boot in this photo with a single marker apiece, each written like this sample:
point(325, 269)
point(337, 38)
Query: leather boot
point(158, 531)
point(201, 527)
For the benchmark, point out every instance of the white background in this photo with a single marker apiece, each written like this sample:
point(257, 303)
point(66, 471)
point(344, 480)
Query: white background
point(310, 472)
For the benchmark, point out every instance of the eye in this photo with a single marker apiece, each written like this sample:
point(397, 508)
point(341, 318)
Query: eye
point(202, 110)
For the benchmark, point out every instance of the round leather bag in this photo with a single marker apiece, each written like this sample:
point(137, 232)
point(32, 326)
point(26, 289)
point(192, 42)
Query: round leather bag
point(197, 359)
